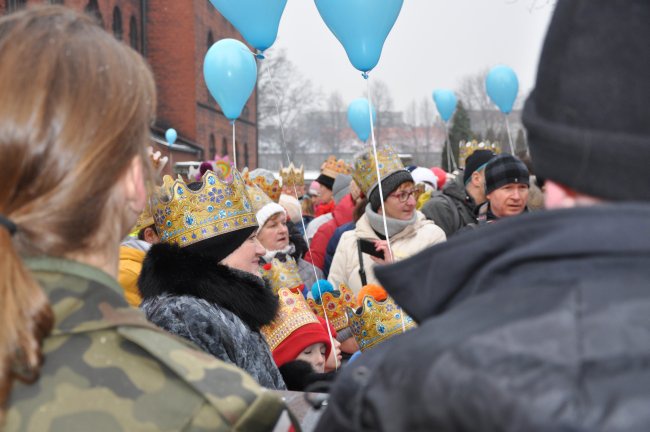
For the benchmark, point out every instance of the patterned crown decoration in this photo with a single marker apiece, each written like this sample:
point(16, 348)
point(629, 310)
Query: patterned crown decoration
point(258, 198)
point(332, 167)
point(144, 220)
point(292, 176)
point(376, 322)
point(365, 171)
point(466, 148)
point(282, 274)
point(184, 217)
point(335, 305)
point(272, 189)
point(292, 314)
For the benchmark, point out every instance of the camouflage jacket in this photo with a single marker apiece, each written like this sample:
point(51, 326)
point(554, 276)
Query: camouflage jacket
point(107, 369)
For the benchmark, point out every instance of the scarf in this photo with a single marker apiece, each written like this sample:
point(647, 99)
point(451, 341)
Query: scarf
point(394, 226)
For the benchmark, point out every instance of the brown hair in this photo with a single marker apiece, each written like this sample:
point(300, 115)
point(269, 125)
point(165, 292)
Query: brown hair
point(75, 109)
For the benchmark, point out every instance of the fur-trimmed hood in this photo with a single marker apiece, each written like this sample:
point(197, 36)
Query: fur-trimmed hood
point(168, 269)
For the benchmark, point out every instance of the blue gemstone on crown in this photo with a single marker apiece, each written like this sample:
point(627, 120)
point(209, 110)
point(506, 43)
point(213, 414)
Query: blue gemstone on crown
point(179, 190)
point(169, 224)
point(211, 180)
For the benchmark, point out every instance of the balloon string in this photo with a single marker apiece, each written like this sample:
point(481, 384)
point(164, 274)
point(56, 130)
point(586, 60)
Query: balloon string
point(302, 219)
point(381, 191)
point(234, 145)
point(512, 147)
point(451, 160)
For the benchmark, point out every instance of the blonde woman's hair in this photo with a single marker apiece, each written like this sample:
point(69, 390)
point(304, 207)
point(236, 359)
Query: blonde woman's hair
point(75, 110)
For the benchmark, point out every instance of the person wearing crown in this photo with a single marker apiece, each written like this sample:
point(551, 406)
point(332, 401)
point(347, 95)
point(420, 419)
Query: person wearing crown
point(330, 170)
point(293, 180)
point(201, 282)
point(408, 230)
point(278, 236)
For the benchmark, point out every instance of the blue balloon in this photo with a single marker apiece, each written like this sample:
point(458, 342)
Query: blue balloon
point(359, 117)
point(230, 72)
point(170, 136)
point(445, 102)
point(256, 20)
point(361, 26)
point(502, 86)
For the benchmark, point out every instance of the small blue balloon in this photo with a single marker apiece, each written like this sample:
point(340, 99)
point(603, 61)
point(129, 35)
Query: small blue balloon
point(502, 86)
point(170, 136)
point(445, 103)
point(325, 286)
point(256, 20)
point(230, 72)
point(361, 26)
point(359, 117)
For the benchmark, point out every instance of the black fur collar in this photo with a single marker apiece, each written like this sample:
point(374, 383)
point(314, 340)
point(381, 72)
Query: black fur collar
point(168, 269)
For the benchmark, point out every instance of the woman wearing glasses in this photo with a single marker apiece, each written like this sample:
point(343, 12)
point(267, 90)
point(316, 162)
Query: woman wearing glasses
point(407, 229)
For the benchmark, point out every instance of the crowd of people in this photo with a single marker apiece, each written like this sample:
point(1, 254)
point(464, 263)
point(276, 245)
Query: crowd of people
point(419, 299)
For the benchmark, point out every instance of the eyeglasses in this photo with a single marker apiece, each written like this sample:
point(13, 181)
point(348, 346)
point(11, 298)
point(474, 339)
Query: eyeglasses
point(403, 196)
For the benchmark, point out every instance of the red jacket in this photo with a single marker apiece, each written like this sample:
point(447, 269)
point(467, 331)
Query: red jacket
point(341, 215)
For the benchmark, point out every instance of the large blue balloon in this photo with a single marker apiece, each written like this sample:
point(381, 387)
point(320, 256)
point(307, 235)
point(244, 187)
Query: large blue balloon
point(445, 103)
point(502, 86)
point(170, 136)
point(256, 20)
point(359, 117)
point(230, 72)
point(361, 26)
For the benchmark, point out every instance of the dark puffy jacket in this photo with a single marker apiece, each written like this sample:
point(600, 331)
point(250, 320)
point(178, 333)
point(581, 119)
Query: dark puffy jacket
point(537, 323)
point(451, 209)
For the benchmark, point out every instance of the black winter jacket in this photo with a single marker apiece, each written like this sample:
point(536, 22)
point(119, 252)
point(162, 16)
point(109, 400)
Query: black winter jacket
point(537, 323)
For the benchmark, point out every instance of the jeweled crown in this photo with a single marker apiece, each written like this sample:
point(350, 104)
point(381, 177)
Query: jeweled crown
point(184, 216)
point(466, 148)
point(332, 167)
point(377, 322)
point(334, 304)
point(257, 196)
point(282, 274)
point(292, 176)
point(292, 314)
point(271, 189)
point(365, 172)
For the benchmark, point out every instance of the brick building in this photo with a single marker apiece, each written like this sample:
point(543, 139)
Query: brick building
point(174, 35)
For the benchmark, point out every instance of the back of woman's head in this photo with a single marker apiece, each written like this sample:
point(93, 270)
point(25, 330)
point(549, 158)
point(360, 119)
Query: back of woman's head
point(75, 109)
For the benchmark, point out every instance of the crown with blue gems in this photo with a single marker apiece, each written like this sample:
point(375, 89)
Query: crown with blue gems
point(282, 274)
point(375, 322)
point(292, 314)
point(466, 148)
point(365, 171)
point(334, 304)
point(184, 216)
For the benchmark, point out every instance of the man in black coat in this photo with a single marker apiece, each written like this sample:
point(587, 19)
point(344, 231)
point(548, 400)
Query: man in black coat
point(540, 322)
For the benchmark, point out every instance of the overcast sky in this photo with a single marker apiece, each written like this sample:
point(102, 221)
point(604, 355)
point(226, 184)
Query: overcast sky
point(433, 44)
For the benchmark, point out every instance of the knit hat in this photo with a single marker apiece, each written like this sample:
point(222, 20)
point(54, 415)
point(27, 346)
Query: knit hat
point(299, 339)
point(441, 175)
point(503, 170)
point(341, 187)
point(425, 175)
point(314, 188)
point(265, 213)
point(475, 162)
point(389, 185)
point(587, 119)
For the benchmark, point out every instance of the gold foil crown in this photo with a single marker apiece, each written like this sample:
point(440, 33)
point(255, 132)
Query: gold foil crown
point(144, 220)
point(184, 217)
point(272, 189)
point(292, 176)
point(466, 148)
point(365, 172)
point(282, 274)
point(332, 167)
point(257, 196)
point(377, 322)
point(292, 314)
point(335, 304)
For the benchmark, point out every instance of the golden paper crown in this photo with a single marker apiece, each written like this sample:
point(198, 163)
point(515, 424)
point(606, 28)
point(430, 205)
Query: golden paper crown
point(466, 148)
point(257, 196)
point(332, 167)
point(184, 217)
point(335, 305)
point(377, 322)
point(292, 176)
point(144, 220)
point(282, 274)
point(365, 171)
point(272, 190)
point(292, 314)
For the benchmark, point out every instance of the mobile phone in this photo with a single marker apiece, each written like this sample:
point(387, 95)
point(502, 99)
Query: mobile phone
point(368, 247)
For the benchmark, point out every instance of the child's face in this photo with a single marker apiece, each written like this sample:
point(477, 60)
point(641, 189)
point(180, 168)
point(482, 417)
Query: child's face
point(315, 355)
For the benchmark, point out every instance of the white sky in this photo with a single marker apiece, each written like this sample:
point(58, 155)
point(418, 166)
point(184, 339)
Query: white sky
point(433, 44)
